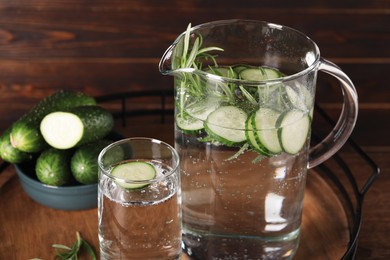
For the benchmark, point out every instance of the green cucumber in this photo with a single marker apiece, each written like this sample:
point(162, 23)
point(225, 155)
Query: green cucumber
point(25, 134)
point(192, 119)
point(84, 161)
point(259, 74)
point(53, 167)
point(76, 126)
point(227, 72)
point(251, 137)
point(240, 67)
point(266, 133)
point(9, 153)
point(188, 124)
point(227, 125)
point(300, 98)
point(294, 128)
point(138, 173)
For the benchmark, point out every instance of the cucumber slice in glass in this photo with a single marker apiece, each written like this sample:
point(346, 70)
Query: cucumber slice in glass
point(134, 175)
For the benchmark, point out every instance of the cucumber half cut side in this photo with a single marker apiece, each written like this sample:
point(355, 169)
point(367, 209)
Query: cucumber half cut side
point(134, 175)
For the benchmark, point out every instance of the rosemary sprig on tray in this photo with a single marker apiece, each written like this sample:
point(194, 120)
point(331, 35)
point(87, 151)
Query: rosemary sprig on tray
point(71, 253)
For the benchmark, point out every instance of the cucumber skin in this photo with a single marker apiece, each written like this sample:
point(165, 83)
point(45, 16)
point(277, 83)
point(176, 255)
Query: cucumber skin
point(251, 136)
point(9, 153)
point(54, 161)
point(25, 133)
point(98, 122)
point(84, 162)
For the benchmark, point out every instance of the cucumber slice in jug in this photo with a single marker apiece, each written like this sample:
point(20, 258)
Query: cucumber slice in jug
point(266, 132)
point(251, 137)
point(227, 125)
point(188, 124)
point(259, 74)
point(226, 72)
point(134, 175)
point(294, 126)
point(192, 119)
point(299, 97)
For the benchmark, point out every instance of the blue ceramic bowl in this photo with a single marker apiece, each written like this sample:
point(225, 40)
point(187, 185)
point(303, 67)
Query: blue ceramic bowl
point(71, 197)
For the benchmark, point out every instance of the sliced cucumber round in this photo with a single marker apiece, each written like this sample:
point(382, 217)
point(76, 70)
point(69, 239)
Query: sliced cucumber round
point(294, 128)
point(134, 175)
point(226, 72)
point(192, 119)
point(240, 67)
point(251, 137)
point(188, 124)
point(299, 97)
point(266, 132)
point(259, 74)
point(227, 125)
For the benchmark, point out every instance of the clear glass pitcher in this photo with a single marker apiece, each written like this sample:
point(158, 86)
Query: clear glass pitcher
point(244, 96)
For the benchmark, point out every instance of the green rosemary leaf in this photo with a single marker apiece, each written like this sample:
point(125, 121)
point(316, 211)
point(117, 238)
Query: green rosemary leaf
point(61, 247)
point(192, 56)
point(186, 45)
point(207, 49)
point(88, 248)
point(248, 96)
point(241, 151)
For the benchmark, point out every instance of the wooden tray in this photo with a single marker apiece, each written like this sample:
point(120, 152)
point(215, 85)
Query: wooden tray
point(331, 214)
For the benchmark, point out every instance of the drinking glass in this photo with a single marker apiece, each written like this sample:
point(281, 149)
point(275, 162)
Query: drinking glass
point(139, 219)
point(244, 137)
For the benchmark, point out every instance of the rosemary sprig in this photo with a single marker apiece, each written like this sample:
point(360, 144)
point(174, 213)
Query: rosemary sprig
point(72, 252)
point(64, 252)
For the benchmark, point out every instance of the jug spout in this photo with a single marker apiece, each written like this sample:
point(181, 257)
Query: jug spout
point(165, 65)
point(181, 57)
point(170, 63)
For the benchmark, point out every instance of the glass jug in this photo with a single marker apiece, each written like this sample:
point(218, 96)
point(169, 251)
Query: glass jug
point(244, 96)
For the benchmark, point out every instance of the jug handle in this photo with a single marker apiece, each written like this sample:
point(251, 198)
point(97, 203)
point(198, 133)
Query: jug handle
point(346, 122)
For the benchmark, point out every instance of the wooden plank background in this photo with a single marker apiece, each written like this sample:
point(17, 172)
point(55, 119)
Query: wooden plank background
point(104, 47)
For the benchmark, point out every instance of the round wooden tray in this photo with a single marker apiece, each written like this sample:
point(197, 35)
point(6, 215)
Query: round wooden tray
point(330, 224)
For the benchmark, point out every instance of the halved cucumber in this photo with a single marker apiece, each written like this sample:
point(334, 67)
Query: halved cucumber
point(227, 125)
point(294, 126)
point(76, 126)
point(266, 133)
point(134, 175)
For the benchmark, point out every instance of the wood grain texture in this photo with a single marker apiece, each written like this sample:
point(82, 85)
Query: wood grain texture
point(103, 47)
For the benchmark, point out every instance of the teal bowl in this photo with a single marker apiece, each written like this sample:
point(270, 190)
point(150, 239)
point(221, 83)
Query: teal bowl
point(74, 196)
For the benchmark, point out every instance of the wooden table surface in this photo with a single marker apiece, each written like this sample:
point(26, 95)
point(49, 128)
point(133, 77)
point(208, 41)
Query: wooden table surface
point(28, 229)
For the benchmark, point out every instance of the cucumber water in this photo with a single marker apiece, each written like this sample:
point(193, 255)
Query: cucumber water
point(263, 117)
